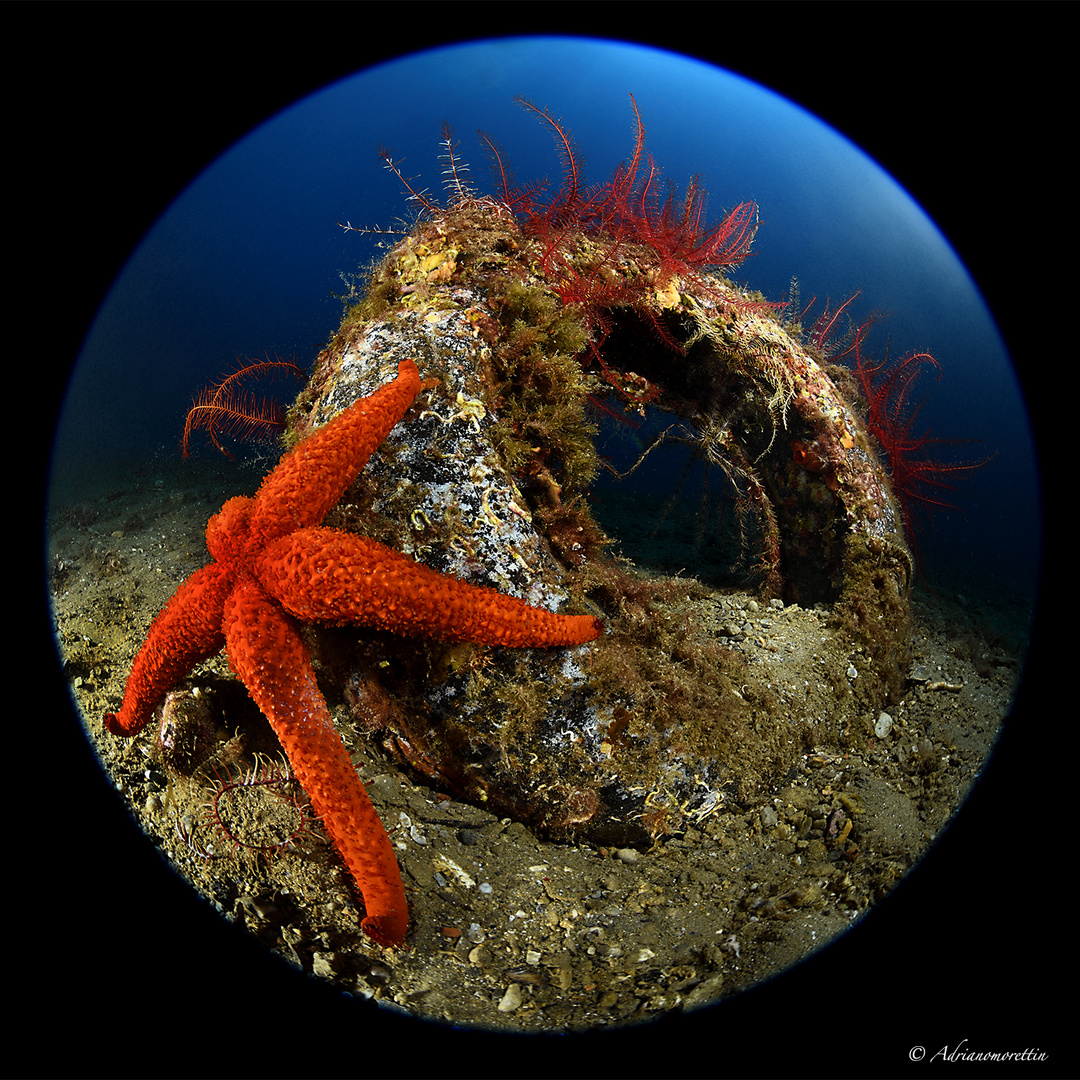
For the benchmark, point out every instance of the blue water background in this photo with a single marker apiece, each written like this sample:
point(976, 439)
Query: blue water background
point(247, 260)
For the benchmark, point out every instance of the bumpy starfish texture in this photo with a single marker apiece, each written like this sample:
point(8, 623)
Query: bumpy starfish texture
point(273, 566)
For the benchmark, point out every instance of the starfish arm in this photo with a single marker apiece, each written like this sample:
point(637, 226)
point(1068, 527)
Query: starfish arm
point(186, 631)
point(334, 577)
point(312, 477)
point(269, 656)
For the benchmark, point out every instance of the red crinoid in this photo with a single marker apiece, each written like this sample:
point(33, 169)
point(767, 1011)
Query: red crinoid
point(262, 809)
point(646, 241)
point(636, 207)
point(921, 480)
point(225, 409)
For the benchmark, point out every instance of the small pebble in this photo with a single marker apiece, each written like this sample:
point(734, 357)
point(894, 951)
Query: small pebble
point(323, 963)
point(628, 855)
point(511, 1000)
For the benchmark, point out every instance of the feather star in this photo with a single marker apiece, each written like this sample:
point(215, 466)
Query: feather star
point(273, 566)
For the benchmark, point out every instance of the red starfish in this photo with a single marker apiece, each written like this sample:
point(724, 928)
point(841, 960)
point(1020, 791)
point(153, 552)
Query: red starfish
point(273, 566)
